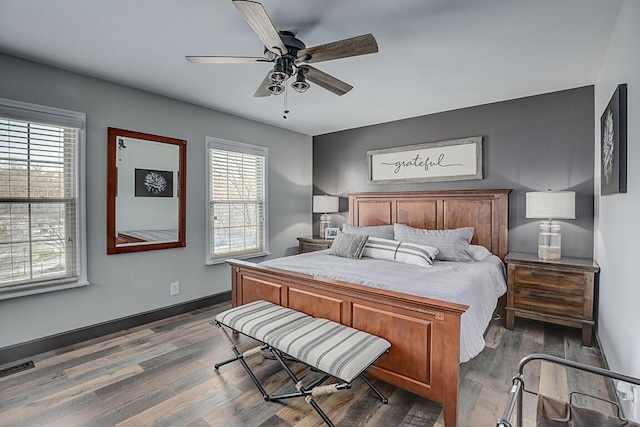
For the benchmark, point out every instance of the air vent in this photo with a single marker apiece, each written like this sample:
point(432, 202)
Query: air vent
point(17, 368)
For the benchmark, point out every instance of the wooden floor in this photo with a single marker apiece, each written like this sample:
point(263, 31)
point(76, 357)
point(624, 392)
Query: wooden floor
point(161, 374)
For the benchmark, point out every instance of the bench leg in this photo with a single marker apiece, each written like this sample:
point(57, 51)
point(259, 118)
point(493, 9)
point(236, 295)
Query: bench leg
point(253, 377)
point(300, 393)
point(217, 365)
point(240, 358)
point(374, 388)
point(302, 390)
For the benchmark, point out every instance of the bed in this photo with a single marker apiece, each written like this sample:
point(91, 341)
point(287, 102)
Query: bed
point(424, 332)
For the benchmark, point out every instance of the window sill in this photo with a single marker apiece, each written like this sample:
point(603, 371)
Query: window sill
point(231, 256)
point(38, 289)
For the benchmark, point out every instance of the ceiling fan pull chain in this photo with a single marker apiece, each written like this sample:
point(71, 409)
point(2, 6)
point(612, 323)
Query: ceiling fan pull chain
point(286, 99)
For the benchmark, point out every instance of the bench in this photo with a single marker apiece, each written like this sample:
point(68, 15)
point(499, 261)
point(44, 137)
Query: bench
point(329, 347)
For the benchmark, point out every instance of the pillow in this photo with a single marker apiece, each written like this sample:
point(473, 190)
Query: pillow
point(408, 253)
point(478, 252)
point(453, 245)
point(382, 231)
point(348, 245)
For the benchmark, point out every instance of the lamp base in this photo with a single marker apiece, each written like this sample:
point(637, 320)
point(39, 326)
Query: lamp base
point(549, 240)
point(325, 222)
point(549, 252)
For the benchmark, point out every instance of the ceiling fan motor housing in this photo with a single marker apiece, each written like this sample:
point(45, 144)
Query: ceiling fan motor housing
point(292, 44)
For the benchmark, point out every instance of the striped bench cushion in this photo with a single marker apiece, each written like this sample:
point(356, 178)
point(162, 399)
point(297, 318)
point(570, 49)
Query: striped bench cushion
point(336, 349)
point(262, 320)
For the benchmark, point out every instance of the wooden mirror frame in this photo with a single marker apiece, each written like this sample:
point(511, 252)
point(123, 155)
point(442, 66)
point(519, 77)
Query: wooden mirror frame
point(112, 183)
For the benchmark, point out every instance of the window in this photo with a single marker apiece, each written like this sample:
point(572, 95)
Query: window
point(237, 208)
point(41, 203)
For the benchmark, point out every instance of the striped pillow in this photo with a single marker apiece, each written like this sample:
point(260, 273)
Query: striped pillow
point(348, 245)
point(408, 253)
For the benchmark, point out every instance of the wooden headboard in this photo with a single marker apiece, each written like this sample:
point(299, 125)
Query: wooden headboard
point(487, 211)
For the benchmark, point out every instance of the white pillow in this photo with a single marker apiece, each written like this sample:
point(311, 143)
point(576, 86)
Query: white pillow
point(478, 252)
point(408, 253)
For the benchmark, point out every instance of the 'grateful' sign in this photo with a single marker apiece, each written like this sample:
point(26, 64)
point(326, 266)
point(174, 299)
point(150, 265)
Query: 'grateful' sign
point(452, 160)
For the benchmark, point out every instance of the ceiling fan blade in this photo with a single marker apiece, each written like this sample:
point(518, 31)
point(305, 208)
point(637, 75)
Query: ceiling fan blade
point(225, 59)
point(262, 89)
point(326, 81)
point(360, 45)
point(260, 22)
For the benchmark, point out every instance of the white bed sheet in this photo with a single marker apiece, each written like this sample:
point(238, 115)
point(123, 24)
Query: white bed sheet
point(476, 284)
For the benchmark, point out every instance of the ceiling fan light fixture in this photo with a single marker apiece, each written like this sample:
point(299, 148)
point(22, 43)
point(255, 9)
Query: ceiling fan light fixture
point(275, 88)
point(279, 75)
point(300, 85)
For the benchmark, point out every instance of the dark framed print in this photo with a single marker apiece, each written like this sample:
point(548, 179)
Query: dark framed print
point(153, 183)
point(613, 144)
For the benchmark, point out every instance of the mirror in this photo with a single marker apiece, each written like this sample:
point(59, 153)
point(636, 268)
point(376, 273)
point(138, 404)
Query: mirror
point(146, 183)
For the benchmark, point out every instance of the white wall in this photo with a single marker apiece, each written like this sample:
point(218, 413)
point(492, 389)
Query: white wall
point(128, 284)
point(617, 233)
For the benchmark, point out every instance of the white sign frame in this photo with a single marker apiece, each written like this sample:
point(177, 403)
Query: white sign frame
point(450, 160)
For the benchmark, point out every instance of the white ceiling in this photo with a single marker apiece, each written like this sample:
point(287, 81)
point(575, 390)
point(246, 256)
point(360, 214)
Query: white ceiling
point(435, 55)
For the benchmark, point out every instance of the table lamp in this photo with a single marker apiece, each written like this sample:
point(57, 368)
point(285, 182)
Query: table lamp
point(550, 205)
point(325, 205)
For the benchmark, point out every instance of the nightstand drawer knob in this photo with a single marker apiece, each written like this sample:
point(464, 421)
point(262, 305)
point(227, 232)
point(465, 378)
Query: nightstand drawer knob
point(544, 274)
point(553, 297)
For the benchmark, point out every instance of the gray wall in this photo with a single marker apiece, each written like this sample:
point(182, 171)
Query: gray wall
point(128, 284)
point(530, 144)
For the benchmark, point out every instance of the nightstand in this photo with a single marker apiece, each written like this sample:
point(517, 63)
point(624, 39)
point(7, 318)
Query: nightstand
point(312, 244)
point(559, 291)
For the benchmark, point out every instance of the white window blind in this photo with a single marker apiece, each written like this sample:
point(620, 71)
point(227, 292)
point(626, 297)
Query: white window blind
point(39, 213)
point(237, 200)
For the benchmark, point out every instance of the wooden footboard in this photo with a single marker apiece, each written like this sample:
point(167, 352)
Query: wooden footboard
point(424, 333)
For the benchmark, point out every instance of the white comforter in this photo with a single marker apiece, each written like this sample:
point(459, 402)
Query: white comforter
point(476, 284)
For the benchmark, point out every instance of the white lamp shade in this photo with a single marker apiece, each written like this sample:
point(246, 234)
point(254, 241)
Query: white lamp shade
point(551, 204)
point(325, 204)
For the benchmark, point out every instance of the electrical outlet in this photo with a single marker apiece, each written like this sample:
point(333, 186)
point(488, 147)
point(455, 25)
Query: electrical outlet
point(175, 288)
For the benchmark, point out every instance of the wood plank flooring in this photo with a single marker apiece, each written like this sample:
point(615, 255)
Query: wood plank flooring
point(162, 374)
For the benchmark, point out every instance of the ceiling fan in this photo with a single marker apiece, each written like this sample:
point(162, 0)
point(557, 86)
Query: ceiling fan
point(290, 56)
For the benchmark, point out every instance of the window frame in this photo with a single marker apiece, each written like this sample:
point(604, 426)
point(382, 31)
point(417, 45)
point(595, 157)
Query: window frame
point(244, 148)
point(28, 112)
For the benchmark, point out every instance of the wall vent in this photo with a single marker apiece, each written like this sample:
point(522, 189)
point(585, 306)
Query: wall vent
point(17, 368)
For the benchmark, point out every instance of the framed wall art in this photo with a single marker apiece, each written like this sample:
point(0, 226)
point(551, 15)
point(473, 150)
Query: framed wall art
point(613, 144)
point(451, 160)
point(153, 183)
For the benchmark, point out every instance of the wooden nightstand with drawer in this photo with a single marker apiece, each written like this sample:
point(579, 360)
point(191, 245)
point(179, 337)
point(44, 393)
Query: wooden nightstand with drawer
point(559, 291)
point(312, 244)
